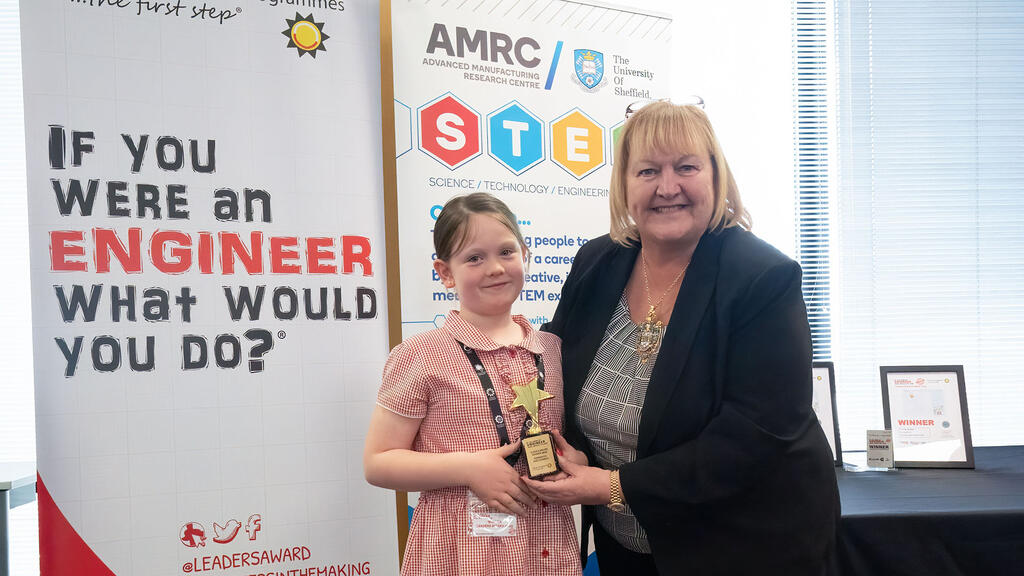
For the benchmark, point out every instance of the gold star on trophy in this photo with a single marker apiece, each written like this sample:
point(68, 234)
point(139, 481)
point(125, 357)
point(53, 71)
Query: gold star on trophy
point(538, 445)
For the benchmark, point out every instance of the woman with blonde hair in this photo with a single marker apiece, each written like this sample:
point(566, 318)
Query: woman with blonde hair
point(687, 374)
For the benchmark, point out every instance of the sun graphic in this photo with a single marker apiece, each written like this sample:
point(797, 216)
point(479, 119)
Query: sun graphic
point(305, 35)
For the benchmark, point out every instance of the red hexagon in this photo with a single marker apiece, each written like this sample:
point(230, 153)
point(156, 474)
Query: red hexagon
point(449, 131)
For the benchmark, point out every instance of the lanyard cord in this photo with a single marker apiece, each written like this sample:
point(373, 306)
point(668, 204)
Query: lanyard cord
point(492, 399)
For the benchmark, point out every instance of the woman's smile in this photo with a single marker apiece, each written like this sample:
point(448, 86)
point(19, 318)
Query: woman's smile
point(669, 209)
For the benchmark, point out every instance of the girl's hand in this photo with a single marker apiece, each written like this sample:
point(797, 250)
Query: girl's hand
point(496, 483)
point(580, 485)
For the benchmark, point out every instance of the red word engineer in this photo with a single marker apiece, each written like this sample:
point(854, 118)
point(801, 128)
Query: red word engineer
point(176, 252)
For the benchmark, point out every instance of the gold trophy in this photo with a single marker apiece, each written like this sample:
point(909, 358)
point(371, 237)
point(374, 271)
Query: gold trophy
point(538, 444)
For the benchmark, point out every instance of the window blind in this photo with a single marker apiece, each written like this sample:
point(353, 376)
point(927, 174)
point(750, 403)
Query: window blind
point(17, 424)
point(811, 79)
point(929, 260)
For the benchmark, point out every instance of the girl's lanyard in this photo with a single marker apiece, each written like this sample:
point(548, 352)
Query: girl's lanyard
point(492, 399)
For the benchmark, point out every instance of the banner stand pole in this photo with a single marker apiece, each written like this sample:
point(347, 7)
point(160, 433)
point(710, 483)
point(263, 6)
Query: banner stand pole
point(387, 115)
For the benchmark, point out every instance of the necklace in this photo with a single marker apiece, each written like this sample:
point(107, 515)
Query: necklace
point(651, 329)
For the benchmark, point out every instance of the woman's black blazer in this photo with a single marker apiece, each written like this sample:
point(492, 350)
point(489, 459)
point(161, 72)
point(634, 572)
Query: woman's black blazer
point(733, 473)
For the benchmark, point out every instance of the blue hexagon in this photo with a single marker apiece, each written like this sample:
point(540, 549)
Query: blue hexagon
point(515, 137)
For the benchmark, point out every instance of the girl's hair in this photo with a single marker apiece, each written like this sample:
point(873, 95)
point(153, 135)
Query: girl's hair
point(663, 126)
point(450, 229)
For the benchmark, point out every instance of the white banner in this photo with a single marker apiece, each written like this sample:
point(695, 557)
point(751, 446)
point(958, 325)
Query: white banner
point(519, 99)
point(207, 256)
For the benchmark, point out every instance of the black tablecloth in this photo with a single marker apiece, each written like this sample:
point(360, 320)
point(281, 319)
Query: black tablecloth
point(935, 522)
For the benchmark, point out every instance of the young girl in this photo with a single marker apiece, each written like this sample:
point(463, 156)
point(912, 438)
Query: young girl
point(434, 429)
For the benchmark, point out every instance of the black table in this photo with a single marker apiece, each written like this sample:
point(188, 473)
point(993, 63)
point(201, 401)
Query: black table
point(935, 522)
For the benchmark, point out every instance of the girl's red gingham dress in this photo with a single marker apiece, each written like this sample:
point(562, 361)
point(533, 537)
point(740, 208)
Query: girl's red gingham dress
point(429, 377)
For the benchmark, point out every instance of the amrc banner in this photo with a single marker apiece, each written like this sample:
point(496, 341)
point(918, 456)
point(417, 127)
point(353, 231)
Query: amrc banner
point(207, 258)
point(522, 100)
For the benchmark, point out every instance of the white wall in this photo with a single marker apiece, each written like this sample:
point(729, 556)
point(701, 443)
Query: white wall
point(736, 54)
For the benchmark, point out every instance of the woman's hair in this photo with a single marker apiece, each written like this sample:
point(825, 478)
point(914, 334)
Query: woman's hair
point(663, 126)
point(451, 227)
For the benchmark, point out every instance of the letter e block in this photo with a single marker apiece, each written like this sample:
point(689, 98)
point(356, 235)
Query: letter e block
point(577, 143)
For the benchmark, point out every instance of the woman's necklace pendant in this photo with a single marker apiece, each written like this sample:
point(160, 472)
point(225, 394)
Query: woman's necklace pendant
point(649, 338)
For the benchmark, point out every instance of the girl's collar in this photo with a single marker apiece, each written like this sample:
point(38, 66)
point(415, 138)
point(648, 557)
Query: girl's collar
point(469, 335)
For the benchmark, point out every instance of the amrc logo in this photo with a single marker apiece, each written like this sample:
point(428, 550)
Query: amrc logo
point(488, 45)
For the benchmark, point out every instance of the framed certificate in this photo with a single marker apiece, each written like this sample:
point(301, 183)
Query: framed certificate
point(823, 400)
point(926, 409)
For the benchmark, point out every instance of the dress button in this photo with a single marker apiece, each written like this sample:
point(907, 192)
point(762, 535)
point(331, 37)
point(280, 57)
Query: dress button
point(544, 553)
point(505, 370)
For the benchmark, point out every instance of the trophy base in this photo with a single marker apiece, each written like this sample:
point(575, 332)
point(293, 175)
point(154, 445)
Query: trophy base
point(541, 460)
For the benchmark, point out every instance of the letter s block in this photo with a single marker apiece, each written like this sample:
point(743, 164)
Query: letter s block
point(449, 131)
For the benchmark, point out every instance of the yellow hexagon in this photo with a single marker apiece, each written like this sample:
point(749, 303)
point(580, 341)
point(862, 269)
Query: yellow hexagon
point(577, 143)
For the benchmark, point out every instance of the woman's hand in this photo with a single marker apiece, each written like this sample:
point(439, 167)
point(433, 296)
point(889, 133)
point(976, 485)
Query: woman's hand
point(496, 483)
point(567, 452)
point(580, 485)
